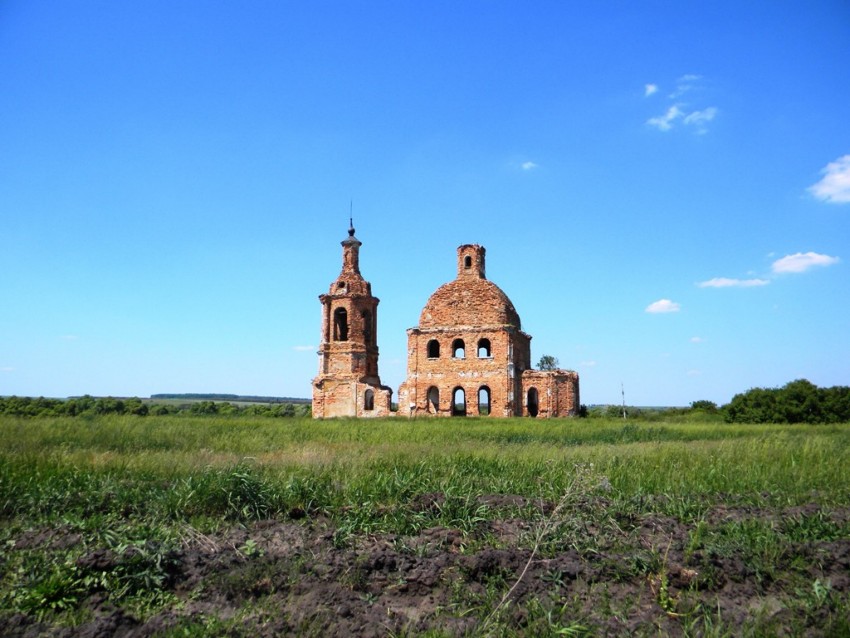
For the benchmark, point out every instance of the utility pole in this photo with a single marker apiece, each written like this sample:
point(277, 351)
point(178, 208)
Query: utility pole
point(623, 392)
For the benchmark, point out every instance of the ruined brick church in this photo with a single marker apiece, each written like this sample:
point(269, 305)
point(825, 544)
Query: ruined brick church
point(467, 356)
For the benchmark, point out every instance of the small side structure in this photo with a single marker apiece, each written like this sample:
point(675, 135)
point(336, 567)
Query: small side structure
point(348, 383)
point(469, 355)
point(550, 393)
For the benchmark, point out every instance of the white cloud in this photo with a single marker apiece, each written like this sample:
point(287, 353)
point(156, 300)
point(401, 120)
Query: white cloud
point(303, 348)
point(700, 118)
point(663, 305)
point(684, 84)
point(587, 364)
point(697, 119)
point(801, 262)
point(683, 111)
point(725, 282)
point(7, 369)
point(696, 339)
point(665, 122)
point(69, 337)
point(527, 166)
point(834, 187)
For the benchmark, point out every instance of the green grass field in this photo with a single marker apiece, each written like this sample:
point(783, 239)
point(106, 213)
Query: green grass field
point(114, 481)
point(385, 461)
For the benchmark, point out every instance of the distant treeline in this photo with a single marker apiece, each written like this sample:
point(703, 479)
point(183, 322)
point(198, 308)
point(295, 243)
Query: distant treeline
point(230, 397)
point(796, 402)
point(799, 401)
point(89, 405)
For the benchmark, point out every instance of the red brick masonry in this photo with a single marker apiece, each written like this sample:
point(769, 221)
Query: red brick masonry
point(467, 356)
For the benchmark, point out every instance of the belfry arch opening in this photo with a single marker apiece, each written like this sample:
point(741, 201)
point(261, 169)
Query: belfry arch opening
point(433, 349)
point(369, 400)
point(340, 324)
point(484, 401)
point(484, 351)
point(458, 349)
point(458, 402)
point(532, 402)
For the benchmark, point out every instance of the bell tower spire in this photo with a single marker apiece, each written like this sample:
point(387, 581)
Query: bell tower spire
point(351, 251)
point(348, 383)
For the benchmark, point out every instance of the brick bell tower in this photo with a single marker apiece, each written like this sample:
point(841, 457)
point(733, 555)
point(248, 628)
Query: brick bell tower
point(348, 383)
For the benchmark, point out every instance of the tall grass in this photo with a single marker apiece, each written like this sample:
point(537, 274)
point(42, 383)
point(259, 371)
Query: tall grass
point(182, 467)
point(137, 488)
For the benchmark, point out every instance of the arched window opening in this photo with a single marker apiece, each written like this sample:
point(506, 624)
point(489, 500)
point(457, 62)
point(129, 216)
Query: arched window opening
point(484, 401)
point(531, 403)
point(458, 349)
point(366, 316)
point(467, 262)
point(458, 402)
point(484, 349)
point(433, 400)
point(433, 349)
point(340, 325)
point(369, 400)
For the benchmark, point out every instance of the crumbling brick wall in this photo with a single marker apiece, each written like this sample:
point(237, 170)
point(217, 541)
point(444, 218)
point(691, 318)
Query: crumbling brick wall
point(468, 354)
point(348, 383)
point(336, 397)
point(483, 369)
point(550, 393)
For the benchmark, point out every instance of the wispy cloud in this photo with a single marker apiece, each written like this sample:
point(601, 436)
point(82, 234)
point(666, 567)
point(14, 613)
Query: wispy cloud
point(69, 337)
point(685, 84)
point(801, 262)
point(696, 339)
point(303, 348)
point(681, 111)
point(697, 119)
point(665, 122)
point(834, 186)
point(700, 119)
point(7, 369)
point(663, 305)
point(726, 282)
point(796, 263)
point(694, 373)
point(587, 364)
point(528, 166)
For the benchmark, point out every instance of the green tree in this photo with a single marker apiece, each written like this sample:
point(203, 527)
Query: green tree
point(285, 410)
point(547, 362)
point(204, 407)
point(799, 401)
point(135, 406)
point(705, 406)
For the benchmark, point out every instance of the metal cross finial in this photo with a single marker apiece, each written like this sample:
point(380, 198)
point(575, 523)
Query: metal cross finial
point(351, 219)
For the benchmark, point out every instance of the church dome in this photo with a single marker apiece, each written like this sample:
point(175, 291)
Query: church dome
point(470, 302)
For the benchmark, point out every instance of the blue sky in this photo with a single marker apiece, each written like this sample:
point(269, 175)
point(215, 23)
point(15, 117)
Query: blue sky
point(663, 188)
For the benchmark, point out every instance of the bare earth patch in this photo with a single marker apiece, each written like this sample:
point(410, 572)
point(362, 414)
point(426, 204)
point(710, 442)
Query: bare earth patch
point(591, 572)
